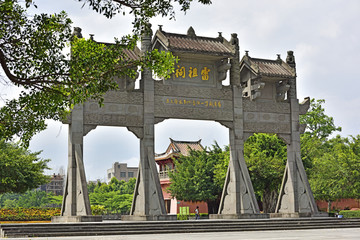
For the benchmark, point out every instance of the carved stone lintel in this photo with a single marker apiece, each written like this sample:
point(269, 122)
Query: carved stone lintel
point(88, 128)
point(304, 106)
point(137, 131)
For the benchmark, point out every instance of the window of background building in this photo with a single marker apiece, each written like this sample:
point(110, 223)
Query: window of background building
point(122, 174)
point(130, 174)
point(109, 175)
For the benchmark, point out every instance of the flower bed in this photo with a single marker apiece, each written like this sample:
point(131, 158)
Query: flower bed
point(28, 214)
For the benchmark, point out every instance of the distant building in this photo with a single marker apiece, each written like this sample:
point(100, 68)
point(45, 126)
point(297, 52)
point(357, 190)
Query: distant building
point(166, 164)
point(56, 185)
point(121, 171)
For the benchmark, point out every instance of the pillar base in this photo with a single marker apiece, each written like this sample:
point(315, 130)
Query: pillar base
point(240, 216)
point(66, 219)
point(168, 217)
point(290, 215)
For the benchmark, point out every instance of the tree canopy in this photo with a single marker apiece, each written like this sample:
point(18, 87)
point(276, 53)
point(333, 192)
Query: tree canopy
point(265, 156)
point(318, 124)
point(33, 59)
point(20, 170)
point(336, 172)
point(115, 196)
point(197, 176)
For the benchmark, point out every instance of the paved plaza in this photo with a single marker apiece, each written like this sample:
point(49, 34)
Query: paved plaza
point(338, 234)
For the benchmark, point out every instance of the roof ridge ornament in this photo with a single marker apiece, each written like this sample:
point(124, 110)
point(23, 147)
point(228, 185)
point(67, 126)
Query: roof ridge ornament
point(191, 32)
point(290, 59)
point(220, 37)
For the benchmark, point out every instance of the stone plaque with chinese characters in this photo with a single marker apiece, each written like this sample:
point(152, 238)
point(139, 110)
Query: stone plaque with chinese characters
point(193, 73)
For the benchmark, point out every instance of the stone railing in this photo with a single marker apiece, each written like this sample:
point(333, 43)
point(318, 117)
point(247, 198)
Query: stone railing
point(164, 174)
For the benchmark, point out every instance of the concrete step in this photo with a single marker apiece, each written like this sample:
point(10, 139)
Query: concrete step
point(123, 228)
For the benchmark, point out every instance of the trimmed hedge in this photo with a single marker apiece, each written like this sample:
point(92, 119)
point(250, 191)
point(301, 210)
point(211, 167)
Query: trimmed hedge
point(28, 214)
point(191, 215)
point(350, 214)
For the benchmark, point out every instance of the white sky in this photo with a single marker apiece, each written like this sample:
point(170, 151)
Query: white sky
point(324, 35)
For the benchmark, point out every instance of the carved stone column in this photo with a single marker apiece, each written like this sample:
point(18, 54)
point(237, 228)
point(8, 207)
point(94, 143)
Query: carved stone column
point(76, 204)
point(238, 197)
point(295, 198)
point(148, 202)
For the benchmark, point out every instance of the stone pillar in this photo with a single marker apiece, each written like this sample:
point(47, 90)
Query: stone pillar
point(238, 197)
point(148, 202)
point(76, 204)
point(295, 198)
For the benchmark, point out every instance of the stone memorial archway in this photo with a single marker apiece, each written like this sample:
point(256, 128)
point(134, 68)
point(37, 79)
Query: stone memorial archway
point(261, 97)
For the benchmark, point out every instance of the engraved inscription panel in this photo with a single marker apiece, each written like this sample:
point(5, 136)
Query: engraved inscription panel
point(193, 102)
point(193, 108)
point(193, 73)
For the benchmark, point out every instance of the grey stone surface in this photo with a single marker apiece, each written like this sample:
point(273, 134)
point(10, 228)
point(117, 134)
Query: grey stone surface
point(76, 198)
point(148, 202)
point(66, 219)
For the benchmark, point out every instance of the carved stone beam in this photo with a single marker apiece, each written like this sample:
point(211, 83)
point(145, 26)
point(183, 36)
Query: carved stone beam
point(159, 120)
point(285, 137)
point(281, 89)
point(223, 67)
point(137, 131)
point(88, 128)
point(227, 124)
point(304, 106)
point(255, 89)
point(302, 128)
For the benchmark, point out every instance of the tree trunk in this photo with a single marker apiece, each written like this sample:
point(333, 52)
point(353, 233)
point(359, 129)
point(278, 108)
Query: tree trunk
point(329, 206)
point(213, 206)
point(269, 201)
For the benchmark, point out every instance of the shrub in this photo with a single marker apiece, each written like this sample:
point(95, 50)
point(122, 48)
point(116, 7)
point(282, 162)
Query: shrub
point(98, 210)
point(28, 214)
point(182, 217)
point(350, 214)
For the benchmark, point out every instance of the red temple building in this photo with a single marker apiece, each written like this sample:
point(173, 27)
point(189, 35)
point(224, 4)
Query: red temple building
point(166, 164)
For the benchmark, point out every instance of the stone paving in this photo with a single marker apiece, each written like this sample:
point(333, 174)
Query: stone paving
point(348, 234)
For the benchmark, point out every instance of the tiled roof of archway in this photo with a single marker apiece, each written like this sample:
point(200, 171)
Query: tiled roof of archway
point(197, 44)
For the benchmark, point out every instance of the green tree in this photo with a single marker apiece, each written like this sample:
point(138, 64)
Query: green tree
point(197, 179)
point(319, 127)
point(20, 170)
point(29, 199)
point(31, 56)
point(265, 156)
point(336, 173)
point(115, 196)
point(318, 124)
point(33, 199)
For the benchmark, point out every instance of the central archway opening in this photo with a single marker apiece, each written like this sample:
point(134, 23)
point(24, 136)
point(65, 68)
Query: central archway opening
point(170, 135)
